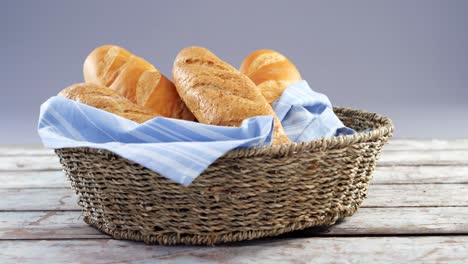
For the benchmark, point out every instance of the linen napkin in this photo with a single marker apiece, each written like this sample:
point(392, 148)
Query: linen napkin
point(181, 150)
point(307, 115)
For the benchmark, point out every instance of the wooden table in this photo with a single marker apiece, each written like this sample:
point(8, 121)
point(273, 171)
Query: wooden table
point(416, 211)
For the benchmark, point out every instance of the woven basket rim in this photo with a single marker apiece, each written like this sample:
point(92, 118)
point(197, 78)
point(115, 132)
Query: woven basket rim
point(321, 144)
point(325, 143)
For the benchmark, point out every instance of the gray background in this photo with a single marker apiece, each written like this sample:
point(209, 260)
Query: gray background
point(404, 59)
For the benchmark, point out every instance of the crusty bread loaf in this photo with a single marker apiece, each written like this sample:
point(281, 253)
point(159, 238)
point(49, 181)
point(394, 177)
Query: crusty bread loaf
point(217, 93)
point(271, 72)
point(108, 100)
point(136, 79)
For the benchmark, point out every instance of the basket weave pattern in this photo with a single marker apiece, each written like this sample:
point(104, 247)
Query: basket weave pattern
point(246, 194)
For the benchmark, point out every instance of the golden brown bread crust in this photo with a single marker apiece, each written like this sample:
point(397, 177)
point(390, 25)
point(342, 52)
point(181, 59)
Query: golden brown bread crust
point(108, 100)
point(217, 93)
point(136, 79)
point(271, 72)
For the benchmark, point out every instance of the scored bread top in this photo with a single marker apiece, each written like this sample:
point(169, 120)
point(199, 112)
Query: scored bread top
point(108, 100)
point(217, 93)
point(136, 79)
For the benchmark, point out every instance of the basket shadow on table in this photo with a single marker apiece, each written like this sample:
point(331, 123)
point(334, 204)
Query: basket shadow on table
point(317, 231)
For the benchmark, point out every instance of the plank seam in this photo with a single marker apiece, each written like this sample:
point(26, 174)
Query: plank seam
point(280, 237)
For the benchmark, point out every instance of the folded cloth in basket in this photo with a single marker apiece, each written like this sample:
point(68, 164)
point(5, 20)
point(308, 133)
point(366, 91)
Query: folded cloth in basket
point(181, 150)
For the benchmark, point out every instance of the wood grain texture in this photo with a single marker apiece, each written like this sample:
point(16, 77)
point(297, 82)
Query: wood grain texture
point(423, 157)
point(388, 158)
point(367, 221)
point(27, 163)
point(33, 179)
point(36, 150)
point(394, 144)
point(417, 195)
point(446, 249)
point(438, 153)
point(427, 195)
point(426, 144)
point(37, 199)
point(382, 175)
point(403, 221)
point(420, 174)
point(46, 225)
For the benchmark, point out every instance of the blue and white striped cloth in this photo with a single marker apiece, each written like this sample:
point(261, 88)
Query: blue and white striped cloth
point(307, 115)
point(177, 149)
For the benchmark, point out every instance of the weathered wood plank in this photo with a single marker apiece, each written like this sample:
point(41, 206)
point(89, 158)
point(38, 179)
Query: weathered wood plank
point(394, 144)
point(420, 174)
point(424, 157)
point(445, 249)
point(403, 221)
point(46, 225)
point(37, 199)
point(367, 221)
point(389, 158)
point(390, 195)
point(83, 251)
point(426, 144)
point(382, 175)
point(25, 151)
point(33, 179)
point(24, 163)
point(417, 195)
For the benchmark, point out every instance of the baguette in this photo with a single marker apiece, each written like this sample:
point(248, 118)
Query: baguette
point(271, 72)
point(217, 93)
point(135, 79)
point(108, 100)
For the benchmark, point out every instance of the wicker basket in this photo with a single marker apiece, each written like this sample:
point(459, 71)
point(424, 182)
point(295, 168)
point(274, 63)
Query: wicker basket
point(246, 194)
